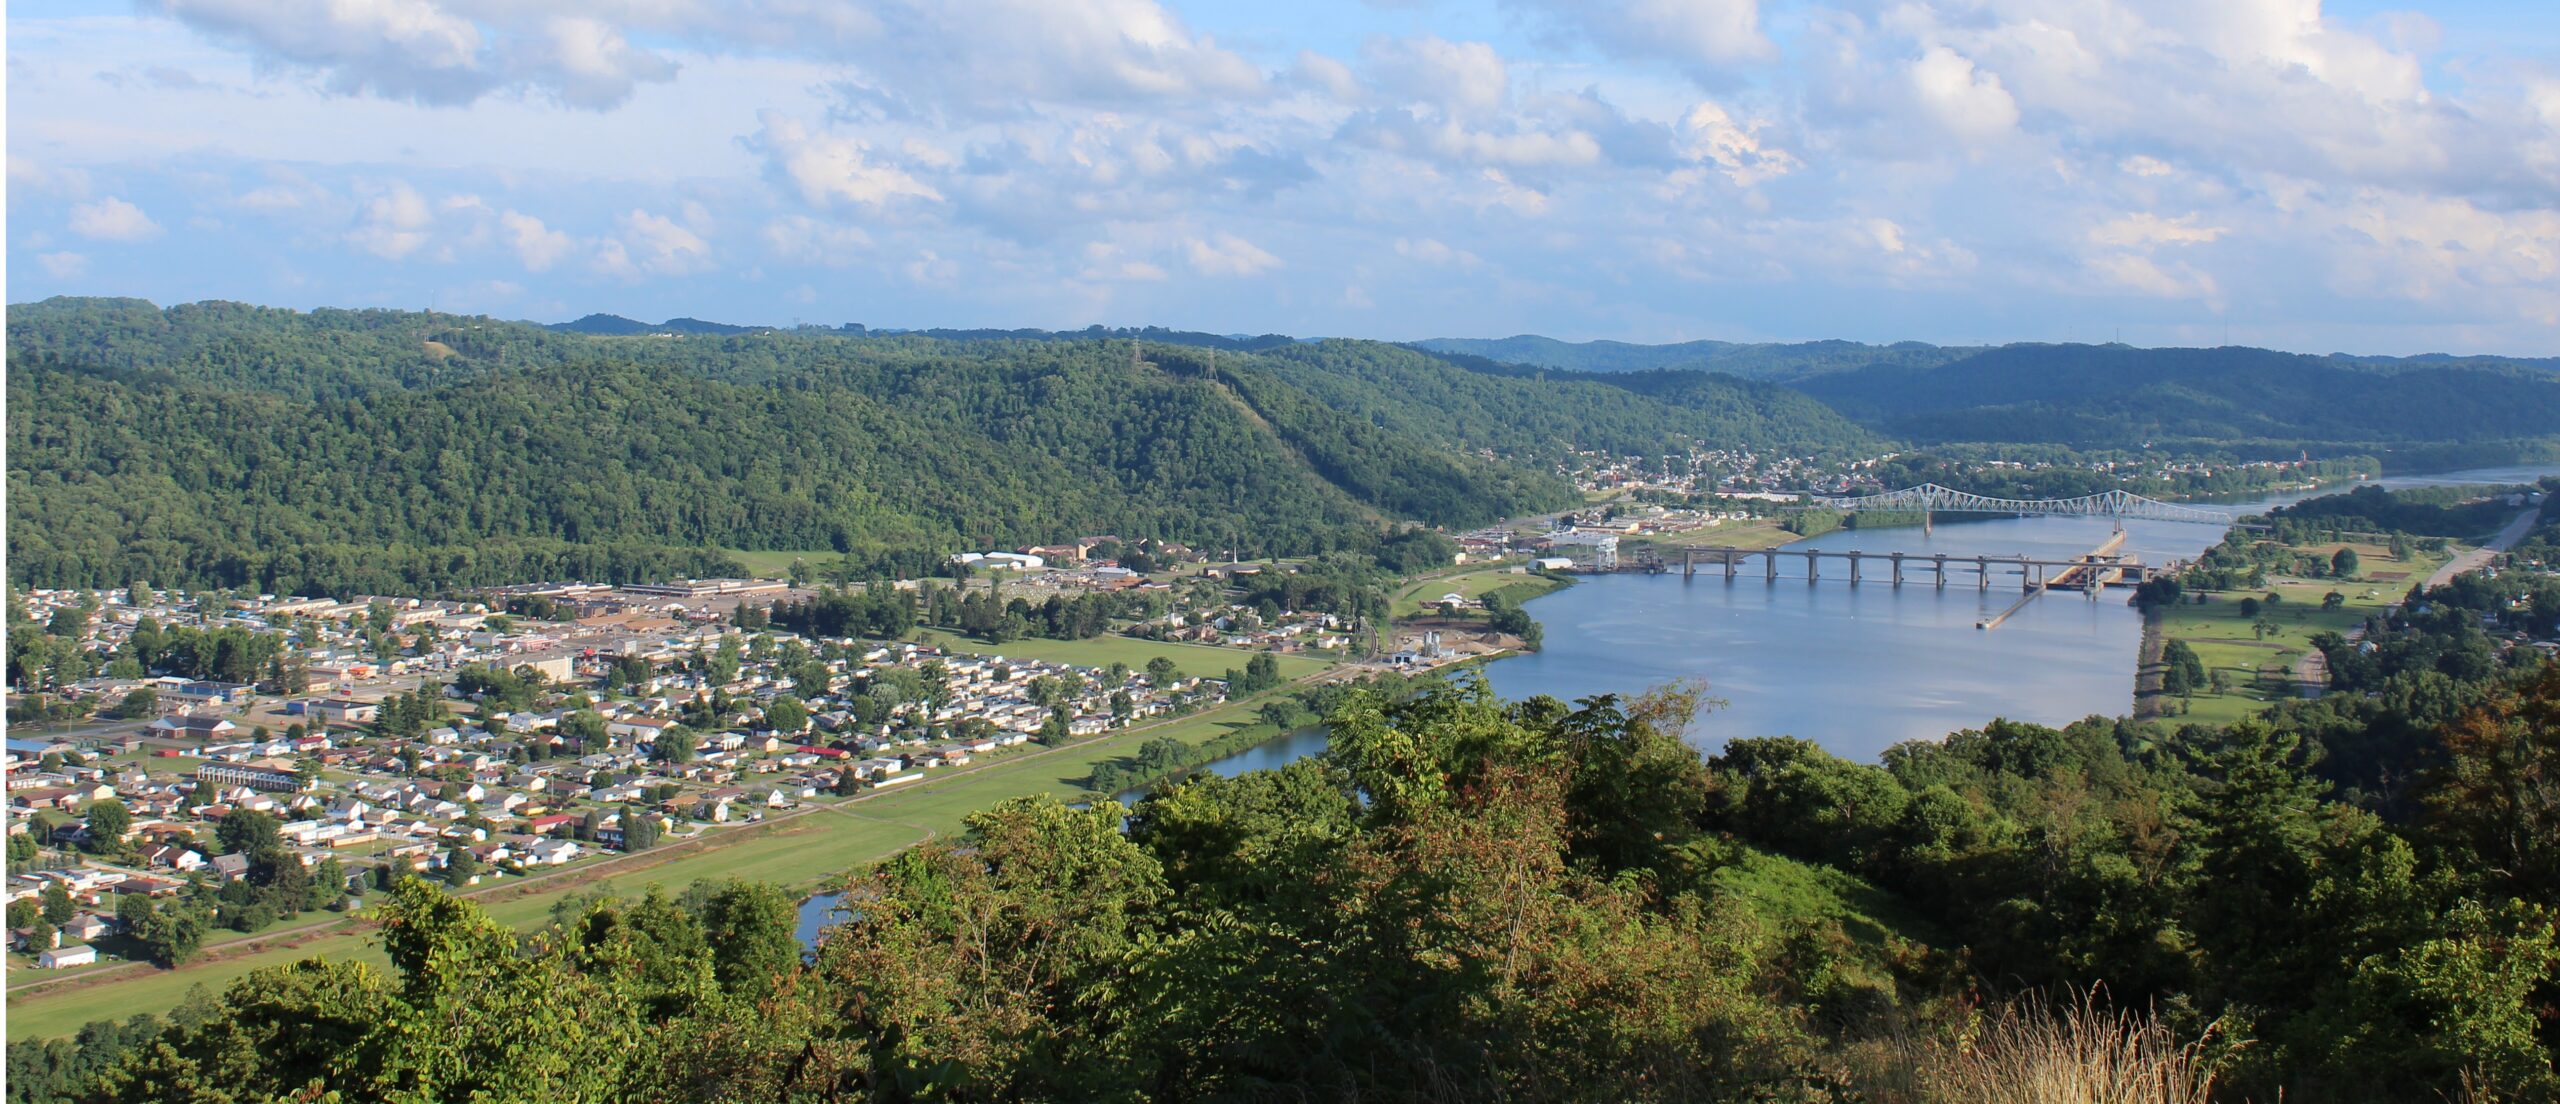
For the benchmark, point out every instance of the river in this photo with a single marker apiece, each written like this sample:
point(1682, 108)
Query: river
point(1859, 669)
point(1856, 669)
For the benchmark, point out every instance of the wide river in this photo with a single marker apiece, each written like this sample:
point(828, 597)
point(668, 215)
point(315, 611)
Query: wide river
point(1855, 669)
point(1861, 668)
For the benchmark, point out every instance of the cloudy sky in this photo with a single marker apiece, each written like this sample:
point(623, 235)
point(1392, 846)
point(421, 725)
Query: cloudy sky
point(2348, 176)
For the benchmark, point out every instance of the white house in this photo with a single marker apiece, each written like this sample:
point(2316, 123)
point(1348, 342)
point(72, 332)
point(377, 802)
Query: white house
point(61, 957)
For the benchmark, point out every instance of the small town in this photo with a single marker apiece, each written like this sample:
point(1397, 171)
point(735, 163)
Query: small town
point(218, 746)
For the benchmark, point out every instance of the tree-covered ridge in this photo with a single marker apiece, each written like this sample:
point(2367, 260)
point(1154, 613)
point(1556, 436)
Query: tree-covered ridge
point(2108, 395)
point(1750, 360)
point(342, 450)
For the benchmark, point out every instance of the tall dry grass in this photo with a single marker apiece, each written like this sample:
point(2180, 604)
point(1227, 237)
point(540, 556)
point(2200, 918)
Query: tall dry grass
point(2038, 1051)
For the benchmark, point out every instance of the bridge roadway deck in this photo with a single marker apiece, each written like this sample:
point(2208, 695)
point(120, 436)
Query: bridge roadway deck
point(2099, 567)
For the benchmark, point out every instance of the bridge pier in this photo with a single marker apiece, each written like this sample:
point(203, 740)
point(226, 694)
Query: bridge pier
point(1897, 570)
point(1688, 563)
point(1731, 561)
point(1942, 570)
point(1854, 558)
point(1813, 567)
point(1982, 571)
point(1770, 558)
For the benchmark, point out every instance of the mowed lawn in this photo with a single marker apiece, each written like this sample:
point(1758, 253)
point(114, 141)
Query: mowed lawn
point(1756, 533)
point(774, 565)
point(1195, 660)
point(804, 853)
point(1470, 586)
point(2227, 641)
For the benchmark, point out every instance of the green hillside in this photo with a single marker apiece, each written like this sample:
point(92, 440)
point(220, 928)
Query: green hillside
point(2107, 395)
point(334, 450)
point(1753, 360)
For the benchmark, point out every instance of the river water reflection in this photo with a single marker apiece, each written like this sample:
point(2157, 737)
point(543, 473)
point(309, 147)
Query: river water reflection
point(1858, 669)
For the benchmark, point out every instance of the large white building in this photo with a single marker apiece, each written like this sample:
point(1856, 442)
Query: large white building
point(1589, 551)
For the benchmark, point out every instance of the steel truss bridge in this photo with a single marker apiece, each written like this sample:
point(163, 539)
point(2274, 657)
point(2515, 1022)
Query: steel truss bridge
point(1930, 498)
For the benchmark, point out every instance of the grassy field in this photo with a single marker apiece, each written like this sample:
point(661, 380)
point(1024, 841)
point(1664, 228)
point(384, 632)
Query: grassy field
point(1469, 585)
point(1197, 660)
point(2228, 642)
point(772, 565)
point(1756, 533)
point(804, 853)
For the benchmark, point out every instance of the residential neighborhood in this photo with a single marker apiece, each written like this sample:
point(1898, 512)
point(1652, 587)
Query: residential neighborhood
point(357, 741)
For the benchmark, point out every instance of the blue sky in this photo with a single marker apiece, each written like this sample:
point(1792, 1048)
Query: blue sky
point(2356, 177)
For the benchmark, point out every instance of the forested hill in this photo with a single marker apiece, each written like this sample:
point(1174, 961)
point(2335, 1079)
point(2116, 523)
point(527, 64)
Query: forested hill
point(2114, 395)
point(346, 450)
point(1769, 361)
point(1787, 362)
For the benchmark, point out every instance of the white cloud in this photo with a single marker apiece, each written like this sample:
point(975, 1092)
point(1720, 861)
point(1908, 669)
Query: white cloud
point(829, 168)
point(112, 219)
point(809, 241)
point(661, 246)
point(1110, 261)
point(1708, 133)
point(1461, 79)
point(1971, 104)
point(1435, 252)
point(1688, 32)
point(2141, 274)
point(430, 51)
point(1224, 254)
point(2142, 228)
point(537, 246)
point(396, 222)
point(63, 265)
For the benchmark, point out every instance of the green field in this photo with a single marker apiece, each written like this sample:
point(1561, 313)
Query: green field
point(1470, 585)
point(1756, 533)
point(773, 565)
point(2226, 641)
point(1196, 660)
point(804, 852)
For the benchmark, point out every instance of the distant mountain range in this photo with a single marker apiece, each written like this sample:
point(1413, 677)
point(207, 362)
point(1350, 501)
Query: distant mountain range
point(614, 325)
point(1785, 362)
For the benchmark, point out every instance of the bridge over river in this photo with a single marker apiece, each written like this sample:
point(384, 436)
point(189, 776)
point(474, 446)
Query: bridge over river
point(2091, 571)
point(1930, 499)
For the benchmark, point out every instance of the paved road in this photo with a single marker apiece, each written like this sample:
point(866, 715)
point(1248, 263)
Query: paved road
point(2479, 557)
point(2313, 668)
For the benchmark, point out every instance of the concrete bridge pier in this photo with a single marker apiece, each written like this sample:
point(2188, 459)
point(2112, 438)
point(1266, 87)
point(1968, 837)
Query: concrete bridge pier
point(1942, 570)
point(1897, 570)
point(1813, 567)
point(1770, 558)
point(1731, 561)
point(1982, 571)
point(1854, 558)
point(1688, 563)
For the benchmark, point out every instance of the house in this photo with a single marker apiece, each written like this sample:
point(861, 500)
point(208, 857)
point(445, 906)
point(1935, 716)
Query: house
point(214, 693)
point(64, 957)
point(274, 775)
point(230, 867)
point(173, 857)
point(344, 711)
point(550, 825)
point(85, 927)
point(552, 852)
point(184, 724)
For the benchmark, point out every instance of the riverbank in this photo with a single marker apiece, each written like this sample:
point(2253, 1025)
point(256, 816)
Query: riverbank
point(2253, 649)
